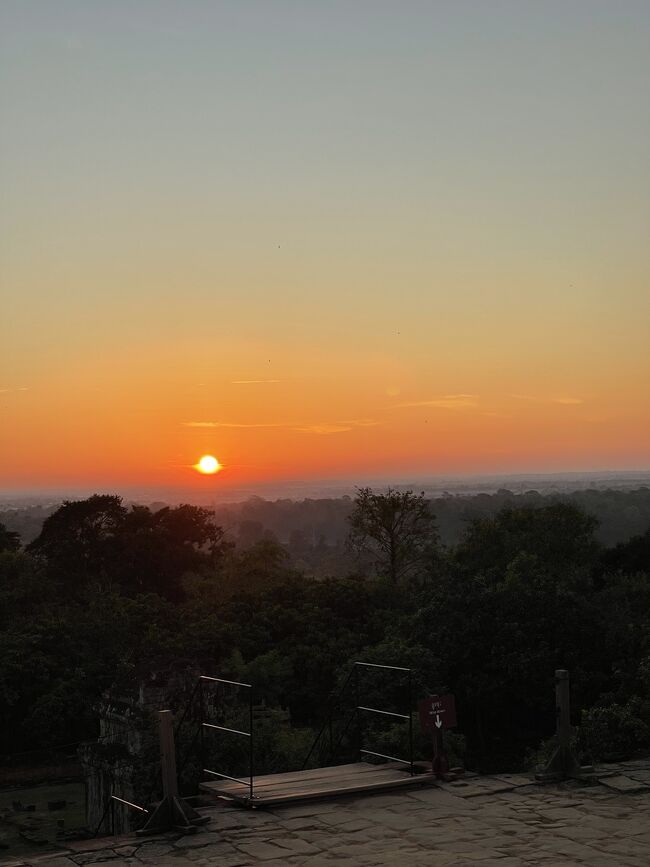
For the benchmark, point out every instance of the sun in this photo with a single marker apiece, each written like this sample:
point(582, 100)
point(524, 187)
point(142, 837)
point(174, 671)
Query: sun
point(207, 465)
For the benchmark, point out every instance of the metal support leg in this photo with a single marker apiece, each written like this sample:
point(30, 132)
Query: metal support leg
point(357, 701)
point(251, 747)
point(172, 812)
point(410, 713)
point(563, 763)
point(202, 762)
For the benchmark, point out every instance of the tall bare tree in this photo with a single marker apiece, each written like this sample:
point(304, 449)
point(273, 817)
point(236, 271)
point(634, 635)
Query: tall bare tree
point(398, 527)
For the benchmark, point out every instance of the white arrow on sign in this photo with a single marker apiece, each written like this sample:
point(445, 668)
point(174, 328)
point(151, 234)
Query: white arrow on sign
point(438, 722)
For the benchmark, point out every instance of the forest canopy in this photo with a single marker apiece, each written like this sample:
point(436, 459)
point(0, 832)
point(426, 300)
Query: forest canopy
point(108, 593)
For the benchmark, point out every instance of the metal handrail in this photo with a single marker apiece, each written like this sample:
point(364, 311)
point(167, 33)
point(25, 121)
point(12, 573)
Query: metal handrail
point(249, 734)
point(384, 712)
point(110, 806)
point(225, 776)
point(129, 804)
point(376, 665)
point(224, 729)
point(221, 680)
point(383, 756)
point(404, 716)
point(333, 702)
point(187, 708)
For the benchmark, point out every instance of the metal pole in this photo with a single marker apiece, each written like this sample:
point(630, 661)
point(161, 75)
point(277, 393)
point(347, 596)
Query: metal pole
point(168, 754)
point(329, 723)
point(251, 753)
point(358, 702)
point(410, 713)
point(563, 708)
point(201, 720)
point(563, 763)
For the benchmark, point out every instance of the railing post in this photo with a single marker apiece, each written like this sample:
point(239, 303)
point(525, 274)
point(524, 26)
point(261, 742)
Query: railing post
point(563, 763)
point(410, 713)
point(251, 745)
point(563, 708)
point(168, 754)
point(329, 725)
point(172, 811)
point(201, 721)
point(358, 712)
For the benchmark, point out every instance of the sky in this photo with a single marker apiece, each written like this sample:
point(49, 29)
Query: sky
point(322, 239)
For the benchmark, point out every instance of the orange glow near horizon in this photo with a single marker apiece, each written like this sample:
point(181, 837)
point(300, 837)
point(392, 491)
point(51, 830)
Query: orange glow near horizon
point(359, 413)
point(424, 272)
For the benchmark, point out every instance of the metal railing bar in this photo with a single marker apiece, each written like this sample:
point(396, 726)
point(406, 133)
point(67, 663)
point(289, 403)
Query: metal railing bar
point(251, 728)
point(382, 756)
point(333, 701)
point(410, 709)
point(129, 804)
point(188, 751)
point(221, 680)
point(384, 712)
point(224, 729)
point(226, 777)
point(343, 734)
point(104, 815)
point(187, 707)
point(375, 665)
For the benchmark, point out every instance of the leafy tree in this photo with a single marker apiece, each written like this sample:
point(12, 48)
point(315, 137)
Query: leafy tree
point(556, 540)
point(78, 540)
point(156, 549)
point(398, 527)
point(631, 556)
point(9, 540)
point(261, 566)
point(99, 540)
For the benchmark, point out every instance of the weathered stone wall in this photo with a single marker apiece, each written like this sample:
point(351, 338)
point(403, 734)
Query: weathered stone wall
point(112, 764)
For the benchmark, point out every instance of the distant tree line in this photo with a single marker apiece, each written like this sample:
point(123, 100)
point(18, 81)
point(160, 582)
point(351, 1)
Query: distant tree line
point(106, 594)
point(315, 531)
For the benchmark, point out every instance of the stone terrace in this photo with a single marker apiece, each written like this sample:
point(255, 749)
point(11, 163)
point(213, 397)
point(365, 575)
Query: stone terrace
point(501, 821)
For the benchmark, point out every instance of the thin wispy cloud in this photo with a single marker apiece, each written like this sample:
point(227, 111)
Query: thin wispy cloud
point(447, 401)
point(323, 428)
point(563, 401)
point(254, 381)
point(307, 427)
point(361, 422)
point(337, 427)
point(12, 390)
point(231, 424)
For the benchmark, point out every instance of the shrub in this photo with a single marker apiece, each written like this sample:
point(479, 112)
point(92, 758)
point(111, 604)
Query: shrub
point(613, 732)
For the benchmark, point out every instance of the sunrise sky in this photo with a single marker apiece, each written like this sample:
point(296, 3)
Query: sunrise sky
point(322, 239)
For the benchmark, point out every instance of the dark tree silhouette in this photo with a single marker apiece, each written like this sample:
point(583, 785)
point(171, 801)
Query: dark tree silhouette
point(397, 527)
point(9, 541)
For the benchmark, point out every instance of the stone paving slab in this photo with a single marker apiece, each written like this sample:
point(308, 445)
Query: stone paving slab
point(505, 821)
point(625, 784)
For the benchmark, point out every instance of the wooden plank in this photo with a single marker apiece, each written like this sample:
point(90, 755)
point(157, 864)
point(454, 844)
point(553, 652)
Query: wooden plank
point(349, 790)
point(335, 772)
point(319, 782)
point(365, 785)
point(324, 785)
point(330, 785)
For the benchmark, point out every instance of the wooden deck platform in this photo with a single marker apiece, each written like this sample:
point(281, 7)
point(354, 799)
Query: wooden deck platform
point(318, 783)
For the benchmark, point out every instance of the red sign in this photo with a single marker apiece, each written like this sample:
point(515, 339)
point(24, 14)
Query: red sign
point(437, 712)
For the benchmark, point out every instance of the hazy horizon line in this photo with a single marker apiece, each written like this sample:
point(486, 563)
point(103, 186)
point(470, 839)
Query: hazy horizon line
point(328, 483)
